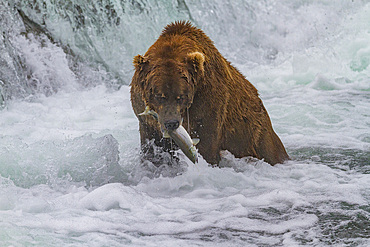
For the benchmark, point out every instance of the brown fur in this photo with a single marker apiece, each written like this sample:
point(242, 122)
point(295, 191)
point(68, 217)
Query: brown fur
point(183, 69)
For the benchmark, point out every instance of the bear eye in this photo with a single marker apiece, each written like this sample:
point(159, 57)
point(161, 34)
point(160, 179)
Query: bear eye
point(180, 99)
point(161, 98)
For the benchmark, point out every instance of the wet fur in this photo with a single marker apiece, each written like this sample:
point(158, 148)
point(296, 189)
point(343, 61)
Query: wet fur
point(225, 110)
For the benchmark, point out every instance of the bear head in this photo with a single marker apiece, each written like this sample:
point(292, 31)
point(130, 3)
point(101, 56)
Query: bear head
point(168, 84)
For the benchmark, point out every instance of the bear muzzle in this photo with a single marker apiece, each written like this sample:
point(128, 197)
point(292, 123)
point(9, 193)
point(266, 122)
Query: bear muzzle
point(171, 124)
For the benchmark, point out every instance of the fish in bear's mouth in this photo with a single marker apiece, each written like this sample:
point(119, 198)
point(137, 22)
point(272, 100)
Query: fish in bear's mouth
point(179, 135)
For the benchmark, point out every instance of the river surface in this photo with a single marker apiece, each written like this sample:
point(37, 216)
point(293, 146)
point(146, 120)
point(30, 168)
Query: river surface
point(70, 169)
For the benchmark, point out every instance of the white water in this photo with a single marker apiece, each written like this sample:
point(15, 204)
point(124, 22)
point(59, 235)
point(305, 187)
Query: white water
point(69, 162)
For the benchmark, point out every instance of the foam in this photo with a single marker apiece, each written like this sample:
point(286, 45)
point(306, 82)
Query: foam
point(70, 167)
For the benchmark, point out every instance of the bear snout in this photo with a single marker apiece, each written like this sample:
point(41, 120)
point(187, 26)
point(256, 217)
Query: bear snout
point(171, 124)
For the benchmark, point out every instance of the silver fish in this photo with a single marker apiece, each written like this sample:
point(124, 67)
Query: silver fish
point(180, 136)
point(185, 143)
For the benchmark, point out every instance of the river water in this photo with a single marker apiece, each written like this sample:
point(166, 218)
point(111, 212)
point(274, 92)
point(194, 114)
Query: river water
point(70, 170)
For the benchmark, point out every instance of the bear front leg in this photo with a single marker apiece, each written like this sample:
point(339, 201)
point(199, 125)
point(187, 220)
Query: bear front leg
point(210, 144)
point(154, 147)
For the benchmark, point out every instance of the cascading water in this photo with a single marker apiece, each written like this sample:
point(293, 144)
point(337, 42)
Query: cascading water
point(70, 169)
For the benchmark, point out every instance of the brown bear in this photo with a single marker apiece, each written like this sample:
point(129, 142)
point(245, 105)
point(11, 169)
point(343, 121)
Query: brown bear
point(185, 79)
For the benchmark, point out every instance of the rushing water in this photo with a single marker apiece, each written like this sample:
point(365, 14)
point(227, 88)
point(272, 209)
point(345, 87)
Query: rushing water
point(70, 171)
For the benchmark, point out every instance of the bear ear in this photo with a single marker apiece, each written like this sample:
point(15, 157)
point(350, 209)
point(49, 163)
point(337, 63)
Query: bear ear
point(139, 62)
point(196, 61)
